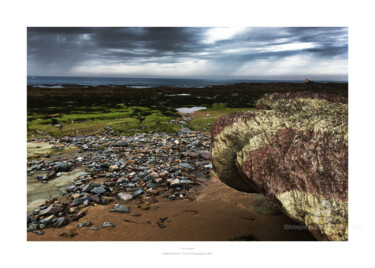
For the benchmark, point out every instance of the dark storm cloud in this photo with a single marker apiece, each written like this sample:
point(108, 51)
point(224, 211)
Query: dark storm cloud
point(57, 51)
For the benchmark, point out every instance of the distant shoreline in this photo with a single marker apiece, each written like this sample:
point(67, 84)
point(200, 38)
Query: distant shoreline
point(58, 82)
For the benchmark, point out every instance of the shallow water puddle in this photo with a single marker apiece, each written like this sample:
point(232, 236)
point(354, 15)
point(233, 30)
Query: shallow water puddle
point(185, 110)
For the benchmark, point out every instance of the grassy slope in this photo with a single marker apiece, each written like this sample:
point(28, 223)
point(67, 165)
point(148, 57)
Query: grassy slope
point(122, 119)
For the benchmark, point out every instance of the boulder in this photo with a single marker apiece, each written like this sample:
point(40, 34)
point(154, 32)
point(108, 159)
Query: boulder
point(293, 149)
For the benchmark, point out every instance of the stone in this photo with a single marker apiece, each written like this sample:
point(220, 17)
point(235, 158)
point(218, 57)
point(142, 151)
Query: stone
point(163, 174)
point(94, 228)
point(62, 166)
point(121, 143)
point(77, 195)
point(120, 208)
point(187, 166)
point(70, 188)
point(293, 149)
point(61, 222)
point(73, 210)
point(205, 154)
point(113, 168)
point(137, 193)
point(84, 224)
point(90, 186)
point(108, 225)
point(125, 197)
point(154, 174)
point(51, 210)
point(98, 190)
point(95, 198)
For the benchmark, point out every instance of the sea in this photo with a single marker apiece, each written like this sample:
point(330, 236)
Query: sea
point(61, 81)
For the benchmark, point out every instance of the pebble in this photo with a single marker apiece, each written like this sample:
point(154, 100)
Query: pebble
point(137, 193)
point(90, 186)
point(61, 222)
point(84, 224)
point(120, 208)
point(98, 190)
point(125, 197)
point(108, 225)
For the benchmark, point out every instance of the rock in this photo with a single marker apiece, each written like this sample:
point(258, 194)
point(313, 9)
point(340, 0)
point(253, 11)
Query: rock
point(79, 215)
point(108, 225)
point(294, 150)
point(205, 154)
point(94, 228)
point(84, 224)
point(90, 186)
point(125, 197)
point(178, 182)
point(121, 143)
point(51, 210)
point(46, 221)
point(70, 188)
point(77, 195)
point(175, 182)
point(120, 208)
point(61, 222)
point(187, 166)
point(154, 174)
point(33, 227)
point(62, 166)
point(138, 192)
point(163, 174)
point(208, 166)
point(113, 168)
point(95, 198)
point(98, 190)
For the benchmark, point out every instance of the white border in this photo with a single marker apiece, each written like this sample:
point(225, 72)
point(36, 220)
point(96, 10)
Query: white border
point(16, 16)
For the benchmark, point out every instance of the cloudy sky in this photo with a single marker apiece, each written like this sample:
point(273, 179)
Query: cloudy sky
point(253, 53)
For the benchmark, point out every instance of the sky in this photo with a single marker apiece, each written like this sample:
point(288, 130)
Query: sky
point(319, 53)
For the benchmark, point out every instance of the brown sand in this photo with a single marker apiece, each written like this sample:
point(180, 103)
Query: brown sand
point(218, 213)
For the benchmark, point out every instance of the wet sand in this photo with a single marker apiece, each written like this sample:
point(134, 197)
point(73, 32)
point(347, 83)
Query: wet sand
point(217, 213)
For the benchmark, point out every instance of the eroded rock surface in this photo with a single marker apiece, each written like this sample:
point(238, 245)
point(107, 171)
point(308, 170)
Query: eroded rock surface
point(294, 150)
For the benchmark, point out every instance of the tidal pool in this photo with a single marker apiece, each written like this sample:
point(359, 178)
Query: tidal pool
point(185, 110)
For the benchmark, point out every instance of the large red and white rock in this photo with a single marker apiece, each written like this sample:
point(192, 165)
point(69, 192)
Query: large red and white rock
point(294, 150)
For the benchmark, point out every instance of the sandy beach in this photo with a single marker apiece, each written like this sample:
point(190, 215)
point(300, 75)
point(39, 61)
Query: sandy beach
point(218, 213)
